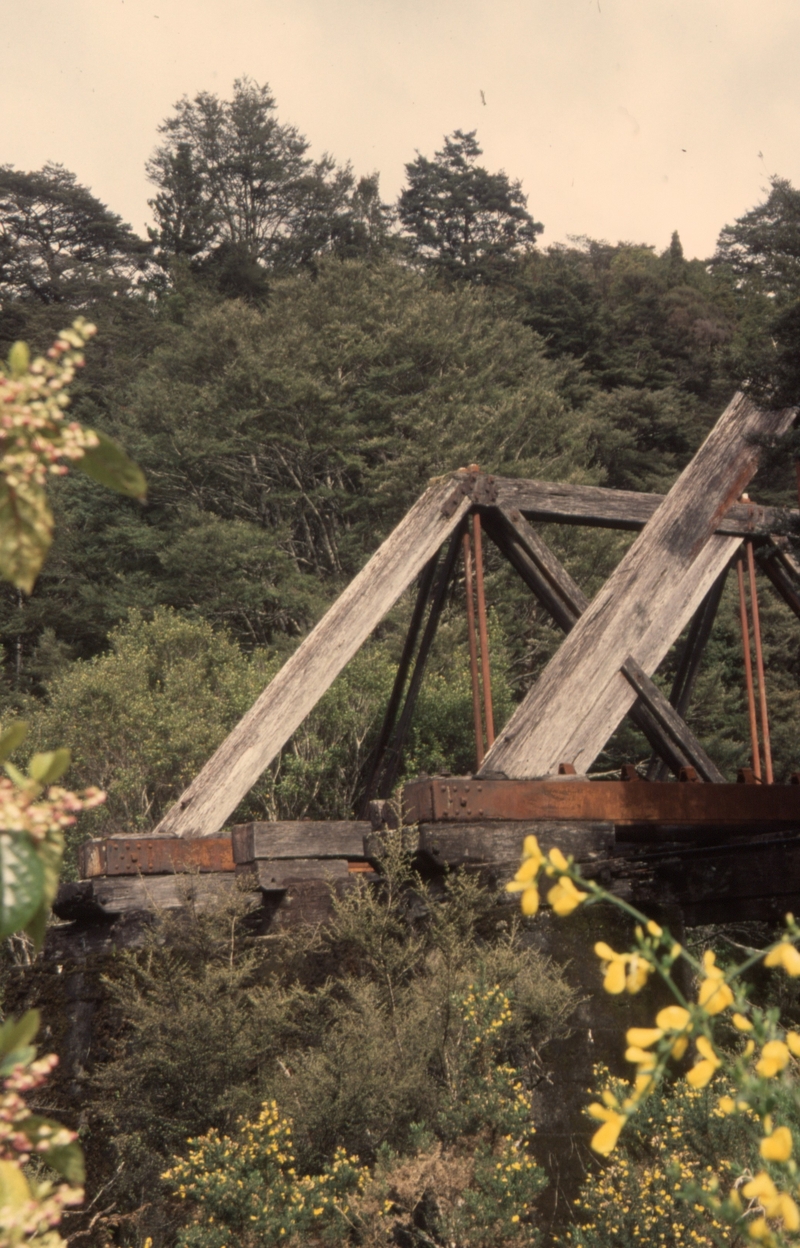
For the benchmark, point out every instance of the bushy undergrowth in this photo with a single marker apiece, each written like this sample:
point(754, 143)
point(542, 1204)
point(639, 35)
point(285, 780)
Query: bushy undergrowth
point(361, 1035)
point(683, 1141)
point(468, 1177)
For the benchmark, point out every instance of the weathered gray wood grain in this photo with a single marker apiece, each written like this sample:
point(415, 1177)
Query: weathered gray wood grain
point(563, 598)
point(641, 608)
point(564, 503)
point(299, 839)
point(230, 773)
point(120, 894)
point(279, 873)
point(501, 842)
point(670, 720)
point(613, 695)
point(782, 570)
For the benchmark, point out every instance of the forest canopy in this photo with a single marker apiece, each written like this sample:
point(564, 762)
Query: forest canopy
point(290, 359)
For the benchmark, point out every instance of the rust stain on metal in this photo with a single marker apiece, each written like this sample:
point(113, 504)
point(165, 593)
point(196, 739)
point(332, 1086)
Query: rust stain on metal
point(155, 855)
point(762, 688)
point(461, 798)
point(748, 673)
point(473, 652)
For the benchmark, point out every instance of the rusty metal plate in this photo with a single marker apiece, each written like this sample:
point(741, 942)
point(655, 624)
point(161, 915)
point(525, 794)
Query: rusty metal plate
point(463, 798)
point(154, 855)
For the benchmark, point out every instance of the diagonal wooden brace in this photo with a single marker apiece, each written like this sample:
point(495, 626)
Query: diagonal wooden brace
point(541, 570)
point(581, 696)
point(232, 771)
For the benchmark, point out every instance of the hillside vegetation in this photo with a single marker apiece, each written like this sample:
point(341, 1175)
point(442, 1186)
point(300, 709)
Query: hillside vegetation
point(290, 360)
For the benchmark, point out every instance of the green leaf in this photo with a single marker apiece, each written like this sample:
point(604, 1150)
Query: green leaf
point(26, 531)
point(21, 881)
point(108, 464)
point(37, 926)
point(20, 1057)
point(16, 1033)
point(19, 358)
point(66, 1159)
point(14, 774)
point(49, 767)
point(51, 851)
point(12, 737)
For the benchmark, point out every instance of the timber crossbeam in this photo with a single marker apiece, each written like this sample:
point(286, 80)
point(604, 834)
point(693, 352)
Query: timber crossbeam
point(719, 852)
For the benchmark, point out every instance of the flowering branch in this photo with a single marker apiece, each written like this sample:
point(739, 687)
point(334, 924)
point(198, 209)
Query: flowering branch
point(761, 1069)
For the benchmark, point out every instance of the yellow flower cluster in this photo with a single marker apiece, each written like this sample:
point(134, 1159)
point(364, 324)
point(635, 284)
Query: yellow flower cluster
point(766, 1055)
point(487, 1011)
point(622, 971)
point(250, 1184)
point(777, 1205)
point(786, 955)
point(564, 897)
point(630, 1202)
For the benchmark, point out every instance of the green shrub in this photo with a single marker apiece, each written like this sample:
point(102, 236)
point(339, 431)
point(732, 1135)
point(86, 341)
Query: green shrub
point(356, 1031)
point(248, 1189)
point(681, 1140)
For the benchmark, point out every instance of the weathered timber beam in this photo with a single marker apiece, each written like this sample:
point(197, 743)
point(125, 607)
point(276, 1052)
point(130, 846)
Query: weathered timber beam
point(121, 894)
point(763, 867)
point(690, 660)
point(564, 503)
point(516, 552)
point(697, 638)
point(779, 567)
point(566, 602)
point(153, 855)
point(606, 709)
point(304, 838)
point(581, 696)
point(277, 874)
point(476, 844)
point(670, 720)
point(234, 768)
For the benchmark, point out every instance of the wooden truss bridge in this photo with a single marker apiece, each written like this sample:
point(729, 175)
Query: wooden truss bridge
point(718, 850)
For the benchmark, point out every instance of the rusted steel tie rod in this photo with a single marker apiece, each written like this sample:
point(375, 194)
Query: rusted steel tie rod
point(483, 631)
point(762, 688)
point(748, 672)
point(473, 651)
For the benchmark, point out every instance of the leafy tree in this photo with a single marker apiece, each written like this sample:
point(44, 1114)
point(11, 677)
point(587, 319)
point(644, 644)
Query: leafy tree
point(143, 717)
point(60, 245)
point(760, 256)
point(281, 443)
point(230, 176)
point(764, 244)
point(464, 221)
point(633, 318)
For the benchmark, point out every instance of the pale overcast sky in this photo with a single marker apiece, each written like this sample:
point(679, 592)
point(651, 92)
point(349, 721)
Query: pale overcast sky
point(624, 119)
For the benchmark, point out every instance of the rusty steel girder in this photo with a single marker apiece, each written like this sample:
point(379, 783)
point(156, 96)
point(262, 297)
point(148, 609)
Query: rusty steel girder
point(465, 798)
point(154, 855)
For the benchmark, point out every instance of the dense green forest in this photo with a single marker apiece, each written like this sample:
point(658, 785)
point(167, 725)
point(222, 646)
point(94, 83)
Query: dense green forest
point(290, 359)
